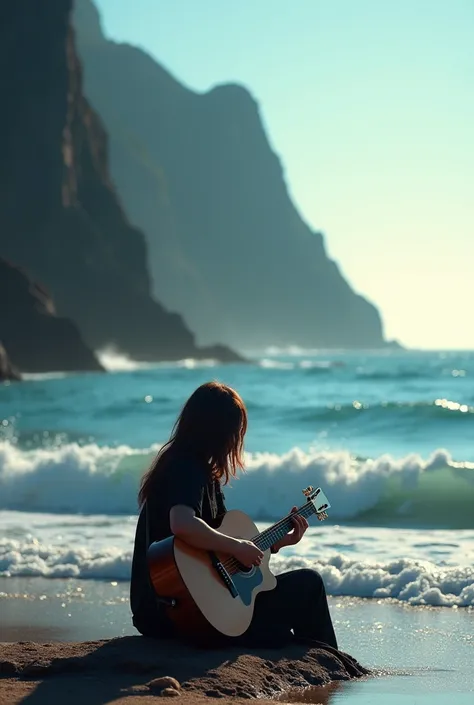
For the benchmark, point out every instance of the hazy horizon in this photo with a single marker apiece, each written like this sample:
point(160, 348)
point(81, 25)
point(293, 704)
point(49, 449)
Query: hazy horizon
point(371, 110)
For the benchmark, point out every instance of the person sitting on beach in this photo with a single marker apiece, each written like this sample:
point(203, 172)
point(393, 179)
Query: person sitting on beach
point(182, 494)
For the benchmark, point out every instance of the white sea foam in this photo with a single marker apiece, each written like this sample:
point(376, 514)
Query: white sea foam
point(353, 486)
point(116, 361)
point(93, 479)
point(291, 351)
point(38, 376)
point(34, 559)
point(191, 363)
point(415, 582)
point(411, 581)
point(270, 363)
point(71, 478)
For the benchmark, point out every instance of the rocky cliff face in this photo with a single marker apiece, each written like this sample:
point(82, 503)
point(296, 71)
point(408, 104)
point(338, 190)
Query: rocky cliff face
point(35, 338)
point(60, 217)
point(227, 247)
point(7, 371)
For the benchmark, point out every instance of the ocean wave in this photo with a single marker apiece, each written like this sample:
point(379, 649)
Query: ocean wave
point(33, 559)
point(411, 581)
point(89, 479)
point(42, 376)
point(390, 411)
point(309, 367)
point(71, 478)
point(269, 364)
point(297, 351)
point(414, 582)
point(400, 374)
point(410, 491)
point(115, 361)
point(395, 375)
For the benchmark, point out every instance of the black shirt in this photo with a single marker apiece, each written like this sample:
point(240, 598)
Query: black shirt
point(183, 480)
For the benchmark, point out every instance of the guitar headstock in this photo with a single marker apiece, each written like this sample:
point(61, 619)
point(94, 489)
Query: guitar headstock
point(319, 501)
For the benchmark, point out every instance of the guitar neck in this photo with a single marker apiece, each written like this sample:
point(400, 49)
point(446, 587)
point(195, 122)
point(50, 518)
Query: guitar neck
point(276, 532)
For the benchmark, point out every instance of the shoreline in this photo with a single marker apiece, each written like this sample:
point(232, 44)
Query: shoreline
point(419, 655)
point(72, 609)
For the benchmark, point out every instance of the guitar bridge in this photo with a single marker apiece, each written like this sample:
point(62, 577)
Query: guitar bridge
point(224, 575)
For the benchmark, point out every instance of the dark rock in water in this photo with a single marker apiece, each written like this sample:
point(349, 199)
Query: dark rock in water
point(60, 217)
point(37, 340)
point(7, 371)
point(219, 352)
point(395, 345)
point(228, 247)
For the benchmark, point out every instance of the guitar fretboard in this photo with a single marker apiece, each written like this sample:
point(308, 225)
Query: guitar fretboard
point(276, 532)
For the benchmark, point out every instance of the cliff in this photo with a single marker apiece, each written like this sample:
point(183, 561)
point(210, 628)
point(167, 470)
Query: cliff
point(60, 217)
point(7, 371)
point(35, 338)
point(227, 247)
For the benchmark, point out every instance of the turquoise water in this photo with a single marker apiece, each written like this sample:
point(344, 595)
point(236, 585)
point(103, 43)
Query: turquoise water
point(368, 404)
point(390, 438)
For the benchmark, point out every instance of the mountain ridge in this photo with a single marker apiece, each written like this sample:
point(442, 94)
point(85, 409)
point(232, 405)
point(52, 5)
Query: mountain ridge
point(227, 246)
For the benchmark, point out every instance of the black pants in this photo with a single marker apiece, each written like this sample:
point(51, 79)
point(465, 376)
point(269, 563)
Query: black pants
point(297, 607)
point(298, 604)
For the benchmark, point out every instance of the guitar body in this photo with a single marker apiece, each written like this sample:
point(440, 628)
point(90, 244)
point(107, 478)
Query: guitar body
point(205, 606)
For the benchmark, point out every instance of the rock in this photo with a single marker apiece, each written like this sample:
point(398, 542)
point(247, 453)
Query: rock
point(212, 693)
point(36, 339)
point(8, 668)
point(169, 693)
point(228, 248)
point(35, 669)
point(60, 217)
point(164, 682)
point(7, 371)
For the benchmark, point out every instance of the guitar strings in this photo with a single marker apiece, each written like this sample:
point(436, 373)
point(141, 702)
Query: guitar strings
point(233, 563)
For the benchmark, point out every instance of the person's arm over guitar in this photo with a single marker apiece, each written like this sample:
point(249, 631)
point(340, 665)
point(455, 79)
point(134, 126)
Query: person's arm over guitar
point(193, 530)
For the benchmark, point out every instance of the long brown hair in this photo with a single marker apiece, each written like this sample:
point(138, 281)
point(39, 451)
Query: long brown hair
point(211, 427)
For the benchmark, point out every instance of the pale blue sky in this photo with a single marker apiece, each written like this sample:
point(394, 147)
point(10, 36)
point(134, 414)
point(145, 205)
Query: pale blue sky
point(370, 104)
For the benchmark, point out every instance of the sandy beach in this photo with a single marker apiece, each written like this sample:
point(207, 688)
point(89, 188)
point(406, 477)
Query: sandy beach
point(417, 656)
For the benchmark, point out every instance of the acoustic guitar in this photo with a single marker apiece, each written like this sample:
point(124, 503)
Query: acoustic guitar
point(207, 594)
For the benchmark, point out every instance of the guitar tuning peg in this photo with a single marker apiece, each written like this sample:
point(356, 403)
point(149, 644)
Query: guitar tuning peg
point(308, 491)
